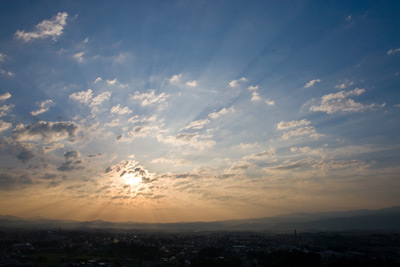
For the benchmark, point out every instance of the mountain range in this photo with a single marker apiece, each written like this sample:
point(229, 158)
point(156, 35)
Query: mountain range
point(387, 219)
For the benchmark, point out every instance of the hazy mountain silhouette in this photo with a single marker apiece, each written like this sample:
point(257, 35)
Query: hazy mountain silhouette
point(383, 219)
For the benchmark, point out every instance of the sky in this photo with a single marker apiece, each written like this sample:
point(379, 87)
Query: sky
point(190, 110)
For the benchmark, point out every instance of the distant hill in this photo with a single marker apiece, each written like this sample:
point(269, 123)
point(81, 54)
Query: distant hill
point(383, 219)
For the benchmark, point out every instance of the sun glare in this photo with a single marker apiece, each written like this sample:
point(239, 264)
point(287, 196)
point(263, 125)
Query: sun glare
point(132, 178)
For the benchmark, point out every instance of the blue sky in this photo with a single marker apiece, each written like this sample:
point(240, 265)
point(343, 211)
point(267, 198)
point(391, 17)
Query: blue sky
point(163, 111)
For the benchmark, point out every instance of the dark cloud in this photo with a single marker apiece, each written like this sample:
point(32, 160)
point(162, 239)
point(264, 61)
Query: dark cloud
point(25, 155)
point(49, 176)
point(94, 155)
point(53, 184)
point(12, 182)
point(71, 165)
point(49, 131)
point(69, 155)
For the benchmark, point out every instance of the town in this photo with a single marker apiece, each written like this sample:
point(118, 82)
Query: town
point(58, 247)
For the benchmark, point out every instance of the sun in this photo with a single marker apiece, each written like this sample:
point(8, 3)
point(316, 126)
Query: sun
point(132, 178)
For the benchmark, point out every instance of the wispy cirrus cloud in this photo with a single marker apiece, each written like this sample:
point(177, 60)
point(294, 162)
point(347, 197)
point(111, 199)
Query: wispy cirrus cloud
point(47, 28)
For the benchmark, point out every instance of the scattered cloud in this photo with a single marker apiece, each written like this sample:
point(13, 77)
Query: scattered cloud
point(48, 131)
point(344, 85)
point(13, 182)
point(199, 124)
point(111, 82)
point(247, 145)
point(100, 98)
point(263, 155)
point(190, 139)
point(83, 96)
point(234, 83)
point(79, 56)
point(43, 107)
point(340, 102)
point(150, 97)
point(9, 73)
point(25, 155)
point(269, 102)
point(5, 96)
point(217, 114)
point(4, 109)
point(2, 57)
point(4, 126)
point(308, 130)
point(291, 124)
point(175, 78)
point(253, 87)
point(98, 79)
point(348, 18)
point(255, 97)
point(192, 83)
point(71, 165)
point(311, 83)
point(47, 28)
point(121, 111)
point(69, 155)
point(392, 51)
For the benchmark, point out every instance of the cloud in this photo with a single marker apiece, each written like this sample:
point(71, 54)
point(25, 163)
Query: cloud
point(43, 107)
point(234, 83)
point(25, 155)
point(98, 79)
point(9, 73)
point(291, 124)
point(111, 82)
point(79, 56)
point(344, 85)
point(191, 139)
point(69, 155)
point(71, 165)
point(199, 124)
point(150, 98)
point(247, 146)
point(121, 111)
point(192, 83)
point(83, 96)
point(263, 155)
point(5, 96)
point(288, 166)
point(216, 115)
point(128, 170)
point(255, 97)
point(100, 98)
point(253, 87)
point(12, 182)
point(269, 102)
point(311, 83)
point(392, 51)
point(2, 57)
point(340, 102)
point(308, 130)
point(5, 109)
point(175, 78)
point(48, 131)
point(47, 28)
point(4, 126)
